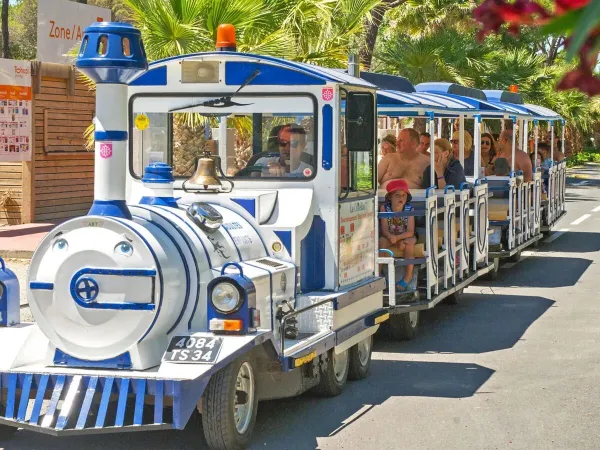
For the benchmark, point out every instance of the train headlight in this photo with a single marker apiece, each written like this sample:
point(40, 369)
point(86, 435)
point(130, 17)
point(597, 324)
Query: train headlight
point(226, 298)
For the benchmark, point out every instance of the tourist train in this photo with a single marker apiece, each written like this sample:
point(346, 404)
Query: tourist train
point(231, 252)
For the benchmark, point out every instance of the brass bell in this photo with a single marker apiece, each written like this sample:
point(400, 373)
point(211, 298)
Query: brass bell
point(206, 174)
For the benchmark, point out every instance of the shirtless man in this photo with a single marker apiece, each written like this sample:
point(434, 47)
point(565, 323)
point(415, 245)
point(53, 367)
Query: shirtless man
point(407, 163)
point(522, 160)
point(424, 144)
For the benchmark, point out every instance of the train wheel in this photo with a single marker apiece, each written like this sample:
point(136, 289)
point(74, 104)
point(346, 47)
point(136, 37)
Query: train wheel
point(516, 257)
point(453, 299)
point(334, 375)
point(403, 327)
point(360, 359)
point(229, 406)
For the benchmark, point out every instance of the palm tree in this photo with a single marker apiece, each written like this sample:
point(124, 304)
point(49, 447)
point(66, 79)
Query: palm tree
point(445, 55)
point(5, 37)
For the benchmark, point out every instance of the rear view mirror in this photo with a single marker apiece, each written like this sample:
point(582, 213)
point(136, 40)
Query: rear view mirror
point(360, 121)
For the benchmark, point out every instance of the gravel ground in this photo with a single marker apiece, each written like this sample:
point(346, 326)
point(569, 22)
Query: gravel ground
point(20, 268)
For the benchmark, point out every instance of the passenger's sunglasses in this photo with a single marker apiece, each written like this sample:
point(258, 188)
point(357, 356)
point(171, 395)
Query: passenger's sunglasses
point(486, 143)
point(293, 143)
point(454, 141)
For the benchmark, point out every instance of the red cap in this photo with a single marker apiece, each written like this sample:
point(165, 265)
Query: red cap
point(398, 185)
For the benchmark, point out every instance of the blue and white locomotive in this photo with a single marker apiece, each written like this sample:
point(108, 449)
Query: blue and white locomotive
point(186, 291)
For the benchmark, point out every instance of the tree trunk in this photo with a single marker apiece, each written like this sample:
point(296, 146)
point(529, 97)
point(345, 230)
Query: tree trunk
point(366, 52)
point(372, 27)
point(5, 37)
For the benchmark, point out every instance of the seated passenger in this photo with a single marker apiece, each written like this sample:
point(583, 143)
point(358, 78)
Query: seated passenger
point(424, 144)
point(488, 149)
point(559, 150)
point(469, 160)
point(522, 161)
point(407, 163)
point(448, 170)
point(398, 234)
point(388, 144)
point(289, 163)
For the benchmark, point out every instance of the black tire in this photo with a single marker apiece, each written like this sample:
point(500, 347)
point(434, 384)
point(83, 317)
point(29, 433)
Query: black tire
point(7, 432)
point(516, 257)
point(403, 327)
point(360, 363)
point(331, 383)
point(454, 299)
point(218, 407)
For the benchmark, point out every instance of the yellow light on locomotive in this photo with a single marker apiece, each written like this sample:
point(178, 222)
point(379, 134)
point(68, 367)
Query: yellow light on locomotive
point(277, 247)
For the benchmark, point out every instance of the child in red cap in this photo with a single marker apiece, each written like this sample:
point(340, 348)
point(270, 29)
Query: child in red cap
point(398, 233)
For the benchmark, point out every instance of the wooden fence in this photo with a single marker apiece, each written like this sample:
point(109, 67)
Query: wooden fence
point(59, 181)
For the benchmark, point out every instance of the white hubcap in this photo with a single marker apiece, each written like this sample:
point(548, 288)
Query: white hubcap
point(242, 411)
point(340, 364)
point(364, 350)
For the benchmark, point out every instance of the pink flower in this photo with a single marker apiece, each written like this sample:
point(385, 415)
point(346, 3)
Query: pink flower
point(582, 79)
point(563, 6)
point(494, 13)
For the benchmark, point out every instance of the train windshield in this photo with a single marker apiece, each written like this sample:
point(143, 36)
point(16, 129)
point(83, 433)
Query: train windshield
point(256, 136)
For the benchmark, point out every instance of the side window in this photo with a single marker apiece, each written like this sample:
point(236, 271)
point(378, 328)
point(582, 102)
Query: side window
point(357, 169)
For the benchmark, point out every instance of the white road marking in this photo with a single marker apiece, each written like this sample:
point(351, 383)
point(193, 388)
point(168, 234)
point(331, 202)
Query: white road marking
point(596, 209)
point(581, 219)
point(556, 235)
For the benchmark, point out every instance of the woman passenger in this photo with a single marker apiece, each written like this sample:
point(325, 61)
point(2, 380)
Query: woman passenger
point(448, 170)
point(488, 149)
point(388, 144)
point(469, 160)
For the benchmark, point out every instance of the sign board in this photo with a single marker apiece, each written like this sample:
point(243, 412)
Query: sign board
point(15, 110)
point(60, 27)
point(357, 241)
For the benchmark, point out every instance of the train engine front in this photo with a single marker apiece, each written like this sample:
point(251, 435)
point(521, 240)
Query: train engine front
point(111, 288)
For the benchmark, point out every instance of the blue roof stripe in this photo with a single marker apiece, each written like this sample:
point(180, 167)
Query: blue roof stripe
point(329, 75)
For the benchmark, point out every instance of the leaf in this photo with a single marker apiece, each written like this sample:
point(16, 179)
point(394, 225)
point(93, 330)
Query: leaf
point(562, 24)
point(590, 18)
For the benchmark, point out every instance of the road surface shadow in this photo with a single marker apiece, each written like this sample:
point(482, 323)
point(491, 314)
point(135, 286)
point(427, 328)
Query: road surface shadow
point(294, 423)
point(543, 272)
point(572, 197)
point(573, 242)
point(480, 323)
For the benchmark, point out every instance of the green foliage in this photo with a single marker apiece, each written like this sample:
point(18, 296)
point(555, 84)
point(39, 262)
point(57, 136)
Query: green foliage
point(316, 31)
point(435, 40)
point(581, 158)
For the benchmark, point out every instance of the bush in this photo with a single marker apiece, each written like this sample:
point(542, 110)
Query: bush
point(583, 157)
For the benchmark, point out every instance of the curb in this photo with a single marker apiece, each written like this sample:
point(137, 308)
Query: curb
point(17, 254)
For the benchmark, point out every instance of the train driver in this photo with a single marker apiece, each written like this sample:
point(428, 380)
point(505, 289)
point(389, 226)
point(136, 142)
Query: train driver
point(290, 163)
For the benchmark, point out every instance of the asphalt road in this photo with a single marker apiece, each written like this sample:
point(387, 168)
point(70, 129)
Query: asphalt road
point(514, 365)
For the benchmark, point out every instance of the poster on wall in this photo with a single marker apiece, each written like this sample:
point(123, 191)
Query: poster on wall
point(357, 241)
point(15, 110)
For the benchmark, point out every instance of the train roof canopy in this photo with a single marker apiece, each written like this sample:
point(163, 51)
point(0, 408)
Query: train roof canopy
point(395, 103)
point(474, 97)
point(388, 82)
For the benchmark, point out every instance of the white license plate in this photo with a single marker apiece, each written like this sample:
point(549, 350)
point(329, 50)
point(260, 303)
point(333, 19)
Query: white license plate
point(194, 350)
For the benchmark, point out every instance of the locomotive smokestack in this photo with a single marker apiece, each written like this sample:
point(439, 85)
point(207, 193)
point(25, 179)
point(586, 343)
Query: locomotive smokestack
point(111, 54)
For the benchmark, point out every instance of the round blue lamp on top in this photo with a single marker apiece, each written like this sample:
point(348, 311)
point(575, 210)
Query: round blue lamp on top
point(112, 52)
point(112, 55)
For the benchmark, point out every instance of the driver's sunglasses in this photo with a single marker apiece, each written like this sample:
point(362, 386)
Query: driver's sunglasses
point(486, 143)
point(293, 143)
